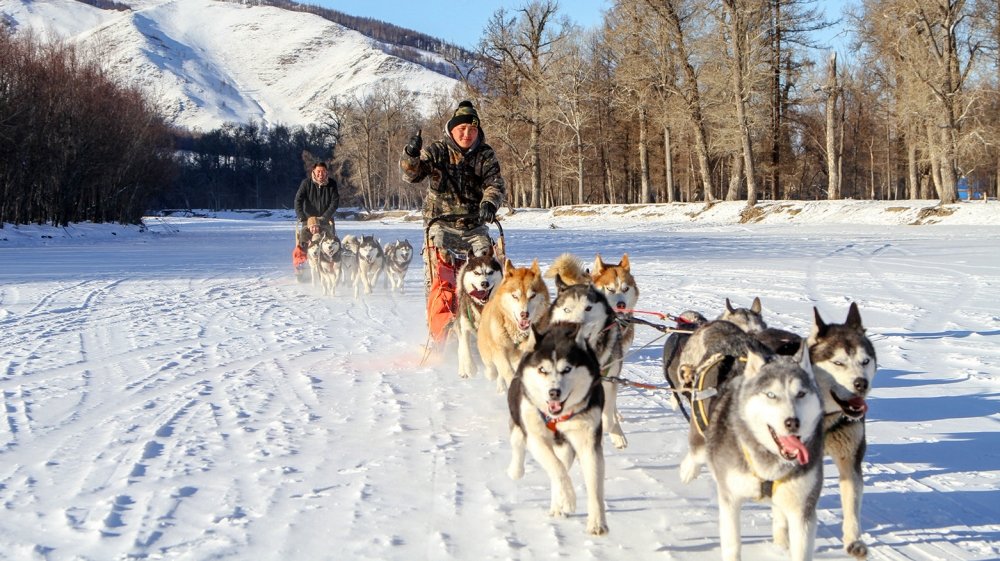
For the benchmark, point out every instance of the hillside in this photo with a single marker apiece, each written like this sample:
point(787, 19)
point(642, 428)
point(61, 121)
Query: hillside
point(207, 62)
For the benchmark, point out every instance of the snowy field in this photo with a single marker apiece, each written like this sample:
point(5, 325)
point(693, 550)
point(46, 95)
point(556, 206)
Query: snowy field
point(174, 394)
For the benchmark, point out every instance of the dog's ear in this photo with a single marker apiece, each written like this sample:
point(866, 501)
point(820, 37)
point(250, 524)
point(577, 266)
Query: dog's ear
point(624, 262)
point(534, 267)
point(729, 306)
point(854, 318)
point(802, 356)
point(755, 361)
point(508, 267)
point(599, 265)
point(755, 307)
point(560, 284)
point(819, 327)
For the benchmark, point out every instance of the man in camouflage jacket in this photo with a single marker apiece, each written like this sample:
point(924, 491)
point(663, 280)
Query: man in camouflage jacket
point(464, 180)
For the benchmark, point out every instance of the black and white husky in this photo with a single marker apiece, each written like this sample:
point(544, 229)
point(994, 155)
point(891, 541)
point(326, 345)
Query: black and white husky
point(476, 280)
point(586, 306)
point(555, 403)
point(398, 255)
point(765, 441)
point(371, 264)
point(843, 359)
point(329, 264)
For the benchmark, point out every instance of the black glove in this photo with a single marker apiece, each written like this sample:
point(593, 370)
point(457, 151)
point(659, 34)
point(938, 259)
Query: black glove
point(413, 147)
point(487, 212)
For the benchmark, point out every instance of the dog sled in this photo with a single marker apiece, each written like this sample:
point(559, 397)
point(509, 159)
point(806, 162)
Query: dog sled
point(299, 257)
point(442, 297)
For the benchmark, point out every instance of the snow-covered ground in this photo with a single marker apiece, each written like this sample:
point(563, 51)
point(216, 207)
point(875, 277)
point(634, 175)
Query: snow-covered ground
point(173, 393)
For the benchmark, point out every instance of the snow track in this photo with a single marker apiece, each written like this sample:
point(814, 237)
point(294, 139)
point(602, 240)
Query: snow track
point(181, 397)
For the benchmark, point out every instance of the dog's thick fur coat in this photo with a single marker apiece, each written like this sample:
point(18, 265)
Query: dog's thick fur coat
point(555, 403)
point(475, 283)
point(518, 303)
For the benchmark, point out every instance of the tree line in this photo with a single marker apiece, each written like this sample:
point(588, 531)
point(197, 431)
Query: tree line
point(706, 100)
point(669, 100)
point(74, 145)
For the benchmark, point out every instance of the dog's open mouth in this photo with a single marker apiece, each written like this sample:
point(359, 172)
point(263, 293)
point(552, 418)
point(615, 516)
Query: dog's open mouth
point(523, 324)
point(856, 407)
point(555, 407)
point(480, 295)
point(791, 447)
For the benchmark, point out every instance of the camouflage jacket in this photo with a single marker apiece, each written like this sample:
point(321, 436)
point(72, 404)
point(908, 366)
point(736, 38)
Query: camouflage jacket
point(459, 181)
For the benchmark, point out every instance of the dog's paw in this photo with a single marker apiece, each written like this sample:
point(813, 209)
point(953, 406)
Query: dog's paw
point(566, 503)
point(501, 385)
point(465, 374)
point(619, 441)
point(857, 549)
point(596, 526)
point(689, 469)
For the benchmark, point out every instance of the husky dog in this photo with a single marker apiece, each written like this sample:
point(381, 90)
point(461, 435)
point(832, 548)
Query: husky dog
point(580, 302)
point(329, 264)
point(844, 362)
point(765, 440)
point(748, 319)
point(688, 320)
point(476, 280)
point(621, 290)
point(398, 255)
point(519, 302)
point(555, 403)
point(312, 256)
point(371, 263)
point(710, 358)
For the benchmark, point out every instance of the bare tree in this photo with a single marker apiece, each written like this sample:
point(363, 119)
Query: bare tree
point(525, 45)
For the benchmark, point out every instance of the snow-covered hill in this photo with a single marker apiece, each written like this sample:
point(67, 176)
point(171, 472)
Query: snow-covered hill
point(206, 62)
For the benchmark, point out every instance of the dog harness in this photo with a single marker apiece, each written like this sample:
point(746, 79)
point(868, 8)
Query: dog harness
point(766, 486)
point(551, 422)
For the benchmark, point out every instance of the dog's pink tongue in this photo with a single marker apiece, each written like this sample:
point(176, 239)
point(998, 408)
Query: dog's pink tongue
point(858, 404)
point(792, 446)
point(478, 294)
point(524, 324)
point(555, 407)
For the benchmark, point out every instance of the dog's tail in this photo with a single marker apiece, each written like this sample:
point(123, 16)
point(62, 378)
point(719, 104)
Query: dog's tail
point(568, 269)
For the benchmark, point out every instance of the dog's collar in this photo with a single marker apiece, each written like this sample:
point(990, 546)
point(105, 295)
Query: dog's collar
point(551, 422)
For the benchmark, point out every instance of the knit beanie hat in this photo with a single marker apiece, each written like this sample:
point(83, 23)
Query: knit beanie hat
point(465, 113)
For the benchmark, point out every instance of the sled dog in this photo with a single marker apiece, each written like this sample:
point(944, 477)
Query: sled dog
point(765, 440)
point(621, 290)
point(714, 354)
point(555, 403)
point(748, 319)
point(687, 321)
point(844, 362)
point(580, 302)
point(520, 301)
point(398, 256)
point(478, 277)
point(312, 255)
point(329, 264)
point(371, 264)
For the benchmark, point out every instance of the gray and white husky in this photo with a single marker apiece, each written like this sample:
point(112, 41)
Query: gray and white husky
point(476, 280)
point(555, 403)
point(371, 264)
point(580, 302)
point(844, 362)
point(765, 440)
point(329, 264)
point(398, 255)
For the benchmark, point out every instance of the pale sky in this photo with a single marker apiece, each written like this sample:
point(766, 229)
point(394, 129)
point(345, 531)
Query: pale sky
point(458, 22)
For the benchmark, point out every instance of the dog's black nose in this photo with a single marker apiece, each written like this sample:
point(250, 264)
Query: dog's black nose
point(860, 385)
point(792, 423)
point(524, 315)
point(554, 393)
point(485, 284)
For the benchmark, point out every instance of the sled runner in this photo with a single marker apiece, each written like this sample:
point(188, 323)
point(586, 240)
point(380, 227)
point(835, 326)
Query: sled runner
point(442, 300)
